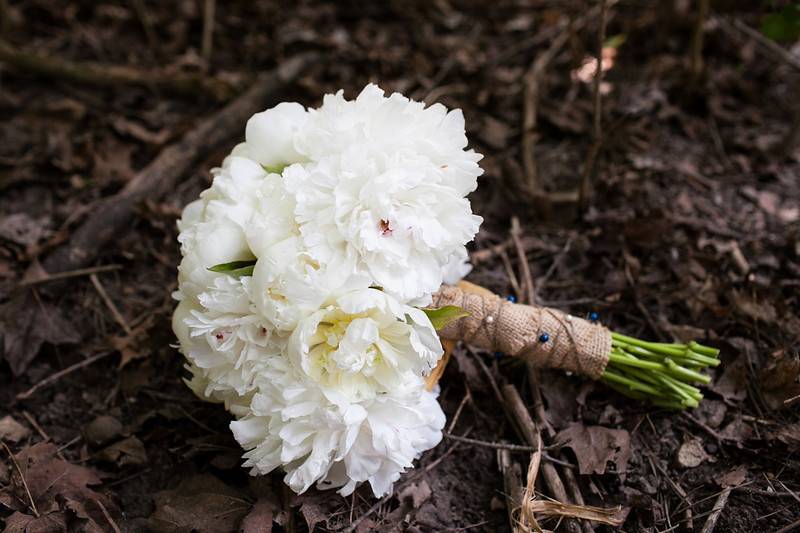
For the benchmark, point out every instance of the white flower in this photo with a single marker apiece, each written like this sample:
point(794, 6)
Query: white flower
point(224, 340)
point(324, 439)
point(364, 344)
point(212, 229)
point(376, 126)
point(270, 136)
point(388, 222)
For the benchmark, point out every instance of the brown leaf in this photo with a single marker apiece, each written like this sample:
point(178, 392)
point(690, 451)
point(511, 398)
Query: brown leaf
point(594, 446)
point(313, 514)
point(127, 452)
point(11, 430)
point(60, 488)
point(691, 454)
point(734, 478)
point(201, 503)
point(747, 306)
point(22, 229)
point(259, 519)
point(789, 435)
point(416, 493)
point(26, 324)
point(779, 380)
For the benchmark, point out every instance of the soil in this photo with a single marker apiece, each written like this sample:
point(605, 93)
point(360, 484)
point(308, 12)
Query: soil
point(691, 231)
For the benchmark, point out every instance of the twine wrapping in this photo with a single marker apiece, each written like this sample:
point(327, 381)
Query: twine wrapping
point(497, 325)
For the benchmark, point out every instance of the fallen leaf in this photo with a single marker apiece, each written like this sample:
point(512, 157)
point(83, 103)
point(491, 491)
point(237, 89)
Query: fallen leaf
point(127, 452)
point(26, 324)
point(734, 478)
point(59, 489)
point(763, 311)
point(201, 503)
point(691, 454)
point(594, 446)
point(259, 519)
point(416, 493)
point(11, 430)
point(779, 379)
point(313, 514)
point(789, 435)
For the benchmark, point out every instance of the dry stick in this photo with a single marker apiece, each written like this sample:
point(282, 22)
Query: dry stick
point(588, 169)
point(110, 304)
point(111, 522)
point(512, 484)
point(731, 26)
point(95, 74)
point(22, 477)
point(696, 52)
point(527, 279)
point(719, 506)
point(496, 445)
point(161, 175)
point(61, 373)
point(791, 527)
point(531, 433)
point(70, 274)
point(533, 81)
point(40, 430)
point(209, 6)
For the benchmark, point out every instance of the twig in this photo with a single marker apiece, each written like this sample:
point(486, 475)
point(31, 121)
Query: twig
point(495, 445)
point(209, 6)
point(531, 433)
point(731, 26)
point(69, 274)
point(61, 373)
point(99, 75)
point(512, 485)
point(481, 256)
point(719, 506)
point(147, 24)
point(533, 81)
point(696, 52)
point(791, 527)
point(40, 430)
point(529, 295)
point(110, 304)
point(22, 477)
point(111, 522)
point(589, 167)
point(541, 420)
point(556, 262)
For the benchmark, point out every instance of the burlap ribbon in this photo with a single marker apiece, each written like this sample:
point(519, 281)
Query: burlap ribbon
point(548, 337)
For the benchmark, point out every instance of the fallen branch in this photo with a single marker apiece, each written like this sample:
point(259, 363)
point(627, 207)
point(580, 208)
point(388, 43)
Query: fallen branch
point(161, 175)
point(24, 333)
point(189, 85)
point(719, 506)
point(61, 373)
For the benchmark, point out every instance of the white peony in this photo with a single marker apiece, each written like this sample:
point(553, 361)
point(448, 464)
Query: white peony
point(348, 218)
point(324, 439)
point(364, 344)
point(270, 136)
point(223, 340)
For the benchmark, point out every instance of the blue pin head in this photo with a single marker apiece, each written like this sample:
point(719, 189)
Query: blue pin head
point(544, 337)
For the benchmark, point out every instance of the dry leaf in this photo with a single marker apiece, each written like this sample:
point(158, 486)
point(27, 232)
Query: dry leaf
point(127, 452)
point(691, 454)
point(259, 519)
point(11, 430)
point(200, 503)
point(594, 446)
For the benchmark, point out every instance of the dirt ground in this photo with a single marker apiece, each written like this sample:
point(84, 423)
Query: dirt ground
point(691, 232)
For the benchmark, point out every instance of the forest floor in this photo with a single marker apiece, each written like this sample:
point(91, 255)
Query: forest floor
point(692, 232)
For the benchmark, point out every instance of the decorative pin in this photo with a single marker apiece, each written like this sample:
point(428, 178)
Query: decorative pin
point(544, 337)
point(511, 298)
point(593, 316)
point(490, 319)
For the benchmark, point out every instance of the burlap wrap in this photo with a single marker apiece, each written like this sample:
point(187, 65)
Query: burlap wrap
point(497, 325)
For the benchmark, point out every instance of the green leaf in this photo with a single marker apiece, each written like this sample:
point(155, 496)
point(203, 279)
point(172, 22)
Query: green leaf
point(442, 316)
point(235, 268)
point(784, 25)
point(274, 169)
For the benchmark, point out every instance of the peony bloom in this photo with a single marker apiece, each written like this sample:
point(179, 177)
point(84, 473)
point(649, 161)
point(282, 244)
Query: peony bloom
point(364, 344)
point(344, 219)
point(270, 136)
point(322, 438)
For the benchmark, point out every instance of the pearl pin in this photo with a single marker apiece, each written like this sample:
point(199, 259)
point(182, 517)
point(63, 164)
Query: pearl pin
point(490, 319)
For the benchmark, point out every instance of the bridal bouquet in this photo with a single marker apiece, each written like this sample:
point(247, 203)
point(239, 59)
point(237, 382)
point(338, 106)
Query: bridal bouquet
point(316, 271)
